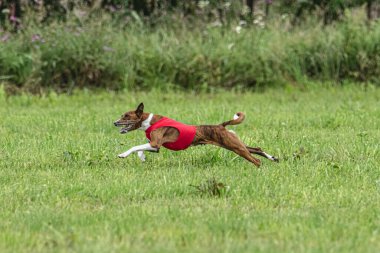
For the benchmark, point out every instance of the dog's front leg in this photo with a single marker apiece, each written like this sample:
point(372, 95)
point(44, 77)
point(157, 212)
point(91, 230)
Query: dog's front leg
point(141, 155)
point(144, 147)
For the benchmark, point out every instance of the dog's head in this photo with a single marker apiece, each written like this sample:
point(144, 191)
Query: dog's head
point(131, 120)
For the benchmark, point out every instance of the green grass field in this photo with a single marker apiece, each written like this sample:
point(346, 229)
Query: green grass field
point(63, 189)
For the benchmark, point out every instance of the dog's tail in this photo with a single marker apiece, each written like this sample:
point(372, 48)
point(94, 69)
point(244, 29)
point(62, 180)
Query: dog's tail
point(238, 118)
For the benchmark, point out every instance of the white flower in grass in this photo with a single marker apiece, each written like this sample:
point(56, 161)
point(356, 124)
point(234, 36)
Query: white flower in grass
point(259, 21)
point(238, 29)
point(227, 5)
point(245, 10)
point(242, 23)
point(203, 4)
point(284, 16)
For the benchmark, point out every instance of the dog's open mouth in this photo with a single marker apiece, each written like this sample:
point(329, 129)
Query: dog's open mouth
point(125, 129)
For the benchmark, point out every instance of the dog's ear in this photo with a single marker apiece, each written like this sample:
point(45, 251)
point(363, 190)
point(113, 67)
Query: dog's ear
point(140, 109)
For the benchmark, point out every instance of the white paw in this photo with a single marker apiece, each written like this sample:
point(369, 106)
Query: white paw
point(123, 155)
point(141, 155)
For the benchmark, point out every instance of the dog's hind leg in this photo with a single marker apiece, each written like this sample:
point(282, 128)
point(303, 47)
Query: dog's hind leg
point(220, 136)
point(236, 146)
point(260, 152)
point(231, 142)
point(243, 152)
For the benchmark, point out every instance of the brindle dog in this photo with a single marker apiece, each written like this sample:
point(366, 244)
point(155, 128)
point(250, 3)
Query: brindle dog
point(216, 135)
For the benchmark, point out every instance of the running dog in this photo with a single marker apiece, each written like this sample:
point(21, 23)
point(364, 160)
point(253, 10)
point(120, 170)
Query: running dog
point(174, 135)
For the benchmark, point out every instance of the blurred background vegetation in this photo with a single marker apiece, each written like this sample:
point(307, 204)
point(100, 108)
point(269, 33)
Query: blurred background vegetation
point(192, 44)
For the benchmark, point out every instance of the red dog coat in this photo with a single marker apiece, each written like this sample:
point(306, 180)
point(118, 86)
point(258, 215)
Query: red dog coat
point(186, 133)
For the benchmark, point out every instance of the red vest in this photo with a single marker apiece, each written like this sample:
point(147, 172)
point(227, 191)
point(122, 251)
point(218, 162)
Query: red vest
point(186, 133)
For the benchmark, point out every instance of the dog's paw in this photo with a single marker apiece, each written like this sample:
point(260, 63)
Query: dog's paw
point(141, 155)
point(122, 155)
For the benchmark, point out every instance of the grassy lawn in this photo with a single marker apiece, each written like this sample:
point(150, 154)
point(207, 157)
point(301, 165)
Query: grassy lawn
point(63, 189)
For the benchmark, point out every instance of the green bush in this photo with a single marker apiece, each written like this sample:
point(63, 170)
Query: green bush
point(78, 58)
point(104, 56)
point(350, 52)
point(16, 62)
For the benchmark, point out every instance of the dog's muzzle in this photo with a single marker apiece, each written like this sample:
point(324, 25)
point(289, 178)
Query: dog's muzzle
point(125, 127)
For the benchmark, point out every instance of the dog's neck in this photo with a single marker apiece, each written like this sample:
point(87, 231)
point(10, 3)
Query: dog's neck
point(146, 123)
